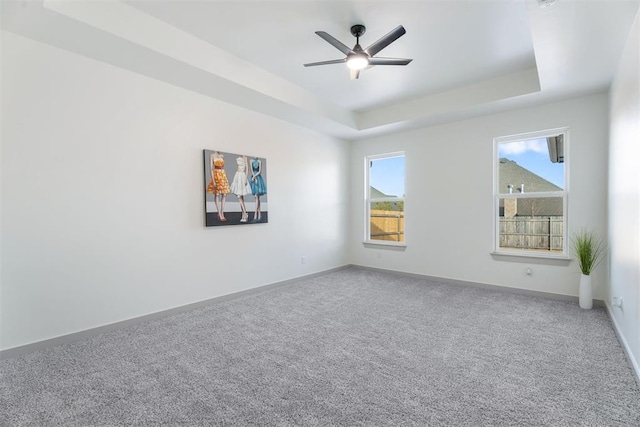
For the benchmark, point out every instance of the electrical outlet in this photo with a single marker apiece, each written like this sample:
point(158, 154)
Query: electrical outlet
point(303, 259)
point(616, 302)
point(529, 271)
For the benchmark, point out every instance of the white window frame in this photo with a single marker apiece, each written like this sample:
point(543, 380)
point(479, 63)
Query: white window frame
point(368, 200)
point(564, 194)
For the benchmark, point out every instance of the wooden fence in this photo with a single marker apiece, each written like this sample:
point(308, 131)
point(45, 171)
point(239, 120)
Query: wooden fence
point(387, 225)
point(521, 232)
point(532, 232)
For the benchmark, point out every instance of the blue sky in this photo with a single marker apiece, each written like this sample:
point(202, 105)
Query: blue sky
point(387, 175)
point(533, 155)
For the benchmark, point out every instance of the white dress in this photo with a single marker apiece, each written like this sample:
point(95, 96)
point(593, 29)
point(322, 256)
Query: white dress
point(240, 184)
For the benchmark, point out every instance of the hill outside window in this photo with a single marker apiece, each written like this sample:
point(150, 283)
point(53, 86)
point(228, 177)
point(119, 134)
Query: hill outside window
point(530, 194)
point(384, 199)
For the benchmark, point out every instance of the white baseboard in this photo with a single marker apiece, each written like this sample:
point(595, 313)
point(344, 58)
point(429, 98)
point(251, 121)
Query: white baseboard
point(88, 333)
point(547, 295)
point(92, 332)
point(625, 345)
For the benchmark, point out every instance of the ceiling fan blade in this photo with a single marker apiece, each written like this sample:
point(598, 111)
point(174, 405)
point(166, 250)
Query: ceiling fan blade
point(389, 61)
point(333, 61)
point(354, 74)
point(386, 40)
point(334, 42)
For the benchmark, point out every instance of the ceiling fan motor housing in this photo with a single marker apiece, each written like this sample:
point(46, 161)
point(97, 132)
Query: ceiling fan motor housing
point(358, 30)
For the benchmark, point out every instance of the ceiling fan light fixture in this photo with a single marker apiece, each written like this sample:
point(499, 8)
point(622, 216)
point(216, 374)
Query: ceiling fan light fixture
point(357, 61)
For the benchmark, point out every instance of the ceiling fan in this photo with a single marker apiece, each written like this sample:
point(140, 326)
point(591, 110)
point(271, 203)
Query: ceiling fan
point(358, 58)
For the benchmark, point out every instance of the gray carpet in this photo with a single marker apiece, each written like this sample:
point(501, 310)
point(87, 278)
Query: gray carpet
point(352, 347)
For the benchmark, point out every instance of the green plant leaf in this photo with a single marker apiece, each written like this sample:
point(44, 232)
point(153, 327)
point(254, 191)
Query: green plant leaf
point(589, 248)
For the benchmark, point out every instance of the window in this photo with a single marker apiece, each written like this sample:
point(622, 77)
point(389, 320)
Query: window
point(530, 194)
point(384, 190)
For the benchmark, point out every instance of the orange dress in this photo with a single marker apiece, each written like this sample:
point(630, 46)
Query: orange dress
point(222, 183)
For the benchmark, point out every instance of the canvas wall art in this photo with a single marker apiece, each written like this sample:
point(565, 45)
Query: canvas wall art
point(235, 190)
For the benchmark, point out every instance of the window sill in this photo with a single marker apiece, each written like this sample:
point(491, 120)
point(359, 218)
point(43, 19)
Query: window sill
point(387, 245)
point(541, 258)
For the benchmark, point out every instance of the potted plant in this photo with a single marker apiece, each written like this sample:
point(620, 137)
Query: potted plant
point(590, 250)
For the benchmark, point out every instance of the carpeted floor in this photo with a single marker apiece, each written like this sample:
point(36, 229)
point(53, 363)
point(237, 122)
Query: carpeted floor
point(353, 348)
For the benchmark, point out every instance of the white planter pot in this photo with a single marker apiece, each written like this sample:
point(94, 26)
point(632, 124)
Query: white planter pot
point(586, 292)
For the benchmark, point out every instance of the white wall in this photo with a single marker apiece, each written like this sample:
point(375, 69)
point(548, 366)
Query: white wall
point(624, 193)
point(102, 189)
point(2, 96)
point(449, 187)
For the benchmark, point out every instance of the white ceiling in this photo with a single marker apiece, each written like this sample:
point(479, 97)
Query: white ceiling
point(470, 57)
point(452, 43)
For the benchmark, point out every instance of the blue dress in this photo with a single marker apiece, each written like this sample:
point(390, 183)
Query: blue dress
point(257, 187)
